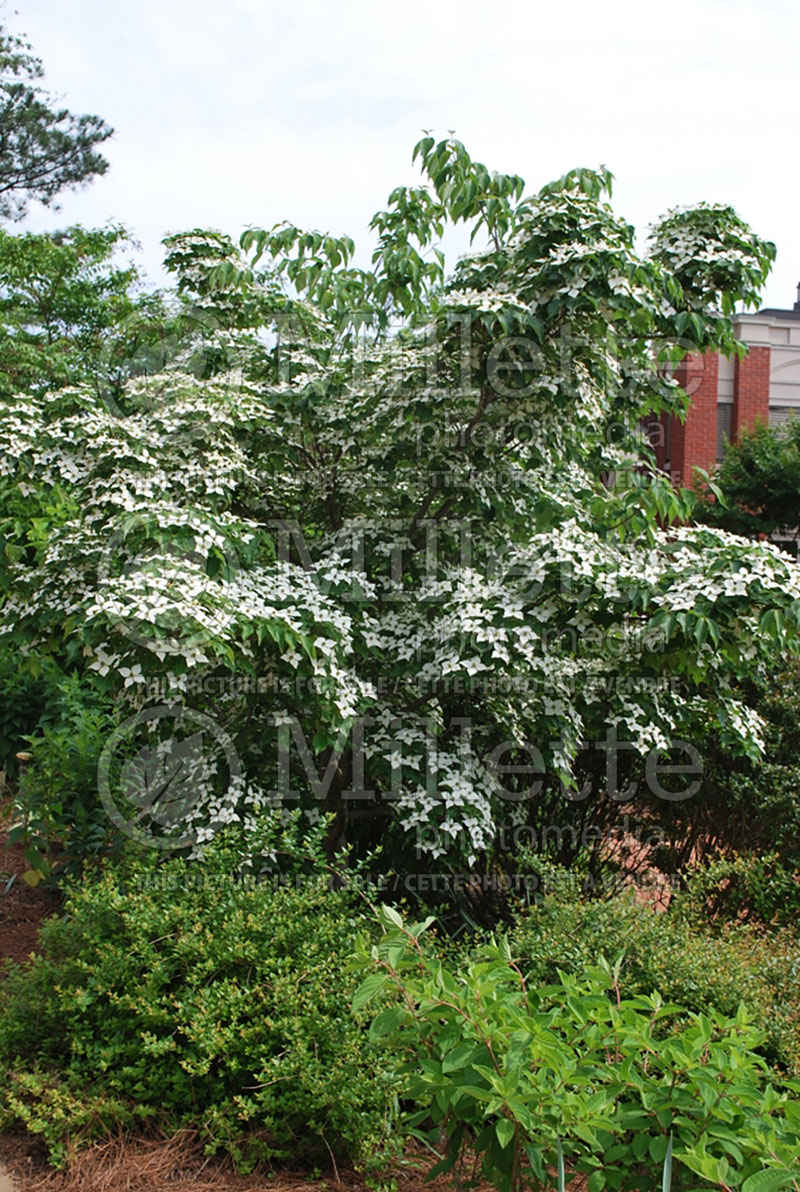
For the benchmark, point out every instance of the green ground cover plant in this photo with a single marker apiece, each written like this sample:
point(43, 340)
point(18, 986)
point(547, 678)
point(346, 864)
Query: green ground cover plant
point(680, 953)
point(524, 1076)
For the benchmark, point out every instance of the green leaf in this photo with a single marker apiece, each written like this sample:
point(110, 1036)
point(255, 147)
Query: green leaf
point(390, 915)
point(386, 1022)
point(562, 1183)
point(367, 990)
point(457, 1059)
point(666, 1178)
point(505, 1131)
point(770, 1179)
point(443, 1166)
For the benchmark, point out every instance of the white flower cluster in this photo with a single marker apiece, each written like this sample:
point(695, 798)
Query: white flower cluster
point(374, 529)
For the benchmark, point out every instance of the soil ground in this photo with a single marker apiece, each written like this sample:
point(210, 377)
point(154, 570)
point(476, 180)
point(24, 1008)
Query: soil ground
point(22, 907)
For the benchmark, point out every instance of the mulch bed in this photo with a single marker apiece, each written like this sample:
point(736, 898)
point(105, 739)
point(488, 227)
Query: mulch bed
point(22, 907)
point(140, 1165)
point(178, 1165)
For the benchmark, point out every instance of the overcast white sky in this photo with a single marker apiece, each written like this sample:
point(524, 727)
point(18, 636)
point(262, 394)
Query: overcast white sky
point(237, 112)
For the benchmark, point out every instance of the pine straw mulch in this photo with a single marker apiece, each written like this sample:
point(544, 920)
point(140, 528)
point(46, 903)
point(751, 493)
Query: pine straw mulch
point(128, 1164)
point(178, 1164)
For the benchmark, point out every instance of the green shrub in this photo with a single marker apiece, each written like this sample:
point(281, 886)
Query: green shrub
point(751, 805)
point(59, 814)
point(743, 887)
point(675, 954)
point(176, 995)
point(519, 1074)
point(29, 698)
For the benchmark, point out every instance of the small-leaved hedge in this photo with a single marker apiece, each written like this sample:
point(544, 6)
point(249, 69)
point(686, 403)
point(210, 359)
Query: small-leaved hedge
point(177, 996)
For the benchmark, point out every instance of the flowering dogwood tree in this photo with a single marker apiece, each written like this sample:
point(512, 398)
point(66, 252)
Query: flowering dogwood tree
point(398, 531)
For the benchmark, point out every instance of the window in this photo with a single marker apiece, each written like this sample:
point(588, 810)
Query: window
point(780, 414)
point(724, 422)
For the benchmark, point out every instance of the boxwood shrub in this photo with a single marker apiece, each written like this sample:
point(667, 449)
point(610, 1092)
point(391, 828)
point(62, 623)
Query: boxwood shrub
point(178, 996)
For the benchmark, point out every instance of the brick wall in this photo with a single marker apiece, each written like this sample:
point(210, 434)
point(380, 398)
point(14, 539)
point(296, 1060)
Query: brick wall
point(751, 390)
point(694, 442)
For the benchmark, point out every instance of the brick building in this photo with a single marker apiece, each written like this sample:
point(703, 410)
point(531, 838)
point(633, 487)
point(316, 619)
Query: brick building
point(729, 395)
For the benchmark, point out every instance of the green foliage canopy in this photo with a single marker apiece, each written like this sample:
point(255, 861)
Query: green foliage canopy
point(70, 313)
point(407, 501)
point(759, 479)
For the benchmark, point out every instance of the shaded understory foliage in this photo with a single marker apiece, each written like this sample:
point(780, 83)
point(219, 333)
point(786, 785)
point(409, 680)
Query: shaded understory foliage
point(179, 995)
